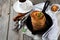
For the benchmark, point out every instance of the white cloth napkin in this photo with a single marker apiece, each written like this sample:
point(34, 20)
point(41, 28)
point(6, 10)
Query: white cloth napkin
point(52, 33)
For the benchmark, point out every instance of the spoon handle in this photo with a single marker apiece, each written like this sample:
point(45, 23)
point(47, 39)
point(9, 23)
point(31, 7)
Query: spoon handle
point(45, 6)
point(21, 22)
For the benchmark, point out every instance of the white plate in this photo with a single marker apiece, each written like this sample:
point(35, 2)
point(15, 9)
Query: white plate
point(57, 10)
point(22, 9)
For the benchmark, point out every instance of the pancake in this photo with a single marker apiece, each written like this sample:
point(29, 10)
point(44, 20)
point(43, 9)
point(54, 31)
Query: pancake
point(38, 20)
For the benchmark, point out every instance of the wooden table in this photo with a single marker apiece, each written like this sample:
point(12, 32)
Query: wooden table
point(6, 20)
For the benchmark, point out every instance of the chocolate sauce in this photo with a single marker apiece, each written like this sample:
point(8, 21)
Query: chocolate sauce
point(22, 0)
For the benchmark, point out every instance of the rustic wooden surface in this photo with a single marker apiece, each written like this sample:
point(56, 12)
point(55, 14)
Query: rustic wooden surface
point(6, 20)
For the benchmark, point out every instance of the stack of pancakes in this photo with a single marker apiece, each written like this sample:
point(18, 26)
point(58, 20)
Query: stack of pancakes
point(38, 20)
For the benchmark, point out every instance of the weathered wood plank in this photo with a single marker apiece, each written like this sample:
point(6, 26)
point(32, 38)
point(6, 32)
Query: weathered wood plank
point(59, 37)
point(36, 1)
point(26, 37)
point(12, 34)
point(4, 6)
point(0, 8)
point(57, 1)
point(39, 1)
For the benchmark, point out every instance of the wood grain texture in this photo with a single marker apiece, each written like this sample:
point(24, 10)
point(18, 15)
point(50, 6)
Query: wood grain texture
point(12, 34)
point(26, 37)
point(6, 20)
point(59, 37)
point(4, 9)
point(36, 1)
point(0, 8)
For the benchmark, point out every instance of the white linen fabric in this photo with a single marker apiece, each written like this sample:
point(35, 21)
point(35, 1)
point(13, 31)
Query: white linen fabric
point(52, 33)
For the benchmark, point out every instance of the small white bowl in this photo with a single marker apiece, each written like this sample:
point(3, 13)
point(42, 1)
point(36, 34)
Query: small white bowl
point(21, 7)
point(57, 9)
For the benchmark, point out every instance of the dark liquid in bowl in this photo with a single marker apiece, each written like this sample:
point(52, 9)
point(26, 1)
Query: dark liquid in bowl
point(22, 0)
point(48, 23)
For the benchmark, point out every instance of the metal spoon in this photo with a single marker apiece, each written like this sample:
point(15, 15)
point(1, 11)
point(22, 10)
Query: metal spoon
point(22, 21)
